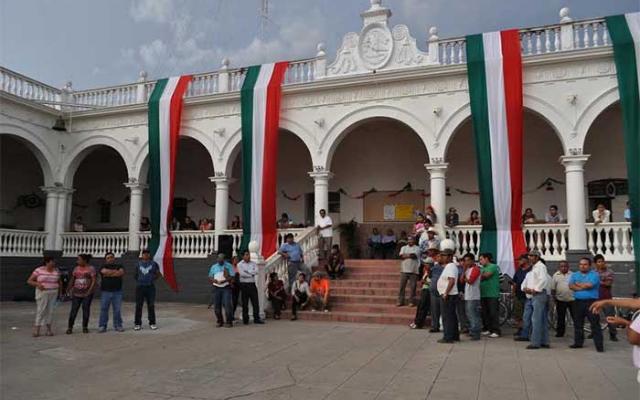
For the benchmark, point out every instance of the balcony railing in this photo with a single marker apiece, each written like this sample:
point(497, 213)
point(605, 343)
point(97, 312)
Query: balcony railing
point(535, 41)
point(21, 243)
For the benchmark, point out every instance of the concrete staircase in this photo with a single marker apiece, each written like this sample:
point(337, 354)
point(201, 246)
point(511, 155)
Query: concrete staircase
point(368, 293)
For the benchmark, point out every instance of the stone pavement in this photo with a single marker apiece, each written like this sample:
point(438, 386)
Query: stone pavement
point(188, 358)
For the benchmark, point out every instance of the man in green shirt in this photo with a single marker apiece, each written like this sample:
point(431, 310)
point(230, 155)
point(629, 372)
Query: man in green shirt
point(489, 295)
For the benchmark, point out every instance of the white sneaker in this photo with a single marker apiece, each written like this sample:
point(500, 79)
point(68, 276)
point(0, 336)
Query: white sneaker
point(485, 333)
point(494, 335)
point(326, 310)
point(153, 327)
point(413, 325)
point(137, 328)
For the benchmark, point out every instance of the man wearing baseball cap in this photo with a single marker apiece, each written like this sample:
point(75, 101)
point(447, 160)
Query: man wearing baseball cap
point(448, 290)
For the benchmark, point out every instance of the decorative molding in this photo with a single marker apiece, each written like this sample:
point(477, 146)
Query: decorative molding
point(220, 131)
point(575, 151)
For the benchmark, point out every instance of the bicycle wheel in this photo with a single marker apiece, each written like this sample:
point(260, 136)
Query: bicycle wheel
point(503, 313)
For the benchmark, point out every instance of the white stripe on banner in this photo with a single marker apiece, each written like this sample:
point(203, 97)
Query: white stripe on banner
point(500, 167)
point(164, 114)
point(259, 119)
point(633, 22)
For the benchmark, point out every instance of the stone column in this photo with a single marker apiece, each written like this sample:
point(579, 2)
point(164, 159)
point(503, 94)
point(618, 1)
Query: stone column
point(135, 214)
point(576, 213)
point(50, 216)
point(437, 171)
point(222, 202)
point(321, 191)
point(261, 278)
point(61, 215)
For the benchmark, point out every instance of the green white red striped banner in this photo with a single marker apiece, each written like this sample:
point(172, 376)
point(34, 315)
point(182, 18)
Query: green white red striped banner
point(165, 109)
point(494, 66)
point(625, 36)
point(260, 112)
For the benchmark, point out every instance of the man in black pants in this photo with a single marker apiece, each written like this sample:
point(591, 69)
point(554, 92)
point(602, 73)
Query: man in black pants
point(448, 290)
point(248, 270)
point(147, 272)
point(586, 284)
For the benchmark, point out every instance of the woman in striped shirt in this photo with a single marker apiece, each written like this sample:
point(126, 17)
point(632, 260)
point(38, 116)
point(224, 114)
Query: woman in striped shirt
point(46, 280)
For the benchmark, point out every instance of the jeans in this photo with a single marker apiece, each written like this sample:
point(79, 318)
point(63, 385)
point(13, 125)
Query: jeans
point(76, 302)
point(472, 308)
point(295, 304)
point(249, 291)
point(338, 271)
point(490, 316)
point(292, 269)
point(412, 279)
point(539, 320)
point(148, 294)
point(324, 247)
point(222, 299)
point(526, 319)
point(449, 318)
point(561, 313)
point(435, 310)
point(110, 299)
point(581, 311)
point(423, 308)
point(460, 312)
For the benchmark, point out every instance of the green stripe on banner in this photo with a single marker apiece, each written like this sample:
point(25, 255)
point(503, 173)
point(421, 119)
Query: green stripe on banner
point(246, 111)
point(480, 118)
point(154, 163)
point(625, 57)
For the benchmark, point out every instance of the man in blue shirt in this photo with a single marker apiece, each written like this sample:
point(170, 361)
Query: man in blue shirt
point(146, 274)
point(586, 284)
point(220, 276)
point(292, 252)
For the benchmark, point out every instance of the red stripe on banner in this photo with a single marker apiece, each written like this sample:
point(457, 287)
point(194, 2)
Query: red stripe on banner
point(175, 114)
point(270, 159)
point(512, 70)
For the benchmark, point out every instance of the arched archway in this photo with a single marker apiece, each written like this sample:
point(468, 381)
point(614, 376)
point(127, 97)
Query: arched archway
point(542, 150)
point(294, 186)
point(22, 203)
point(100, 199)
point(604, 142)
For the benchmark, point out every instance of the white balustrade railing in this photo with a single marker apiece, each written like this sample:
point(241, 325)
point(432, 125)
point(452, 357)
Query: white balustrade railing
point(21, 243)
point(452, 51)
point(95, 243)
point(307, 238)
point(27, 88)
point(613, 240)
point(300, 71)
point(540, 40)
point(108, 97)
point(592, 33)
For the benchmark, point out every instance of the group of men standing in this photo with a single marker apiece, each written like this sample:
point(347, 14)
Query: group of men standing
point(467, 296)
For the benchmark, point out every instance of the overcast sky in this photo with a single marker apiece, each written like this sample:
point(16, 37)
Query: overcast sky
point(99, 42)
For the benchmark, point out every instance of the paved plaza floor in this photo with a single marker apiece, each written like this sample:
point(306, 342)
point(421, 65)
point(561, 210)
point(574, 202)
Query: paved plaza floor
point(188, 358)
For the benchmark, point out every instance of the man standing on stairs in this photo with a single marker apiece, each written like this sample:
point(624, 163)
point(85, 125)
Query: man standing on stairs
point(448, 289)
point(409, 267)
point(292, 252)
point(325, 229)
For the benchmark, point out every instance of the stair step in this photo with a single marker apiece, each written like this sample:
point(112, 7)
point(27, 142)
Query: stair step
point(386, 309)
point(385, 276)
point(368, 299)
point(369, 262)
point(365, 283)
point(342, 316)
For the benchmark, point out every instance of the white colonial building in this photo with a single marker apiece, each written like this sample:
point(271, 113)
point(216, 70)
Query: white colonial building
point(386, 110)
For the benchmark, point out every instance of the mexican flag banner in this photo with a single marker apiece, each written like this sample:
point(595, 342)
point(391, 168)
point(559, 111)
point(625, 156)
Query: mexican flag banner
point(165, 108)
point(494, 68)
point(625, 35)
point(260, 114)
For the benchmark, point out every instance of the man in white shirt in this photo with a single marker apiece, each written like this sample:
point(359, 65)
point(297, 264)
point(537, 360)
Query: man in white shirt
point(536, 286)
point(248, 271)
point(601, 215)
point(448, 290)
point(325, 229)
point(409, 268)
point(553, 216)
point(562, 296)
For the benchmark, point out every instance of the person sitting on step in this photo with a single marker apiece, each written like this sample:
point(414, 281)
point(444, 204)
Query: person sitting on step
point(300, 295)
point(335, 263)
point(319, 298)
point(276, 294)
